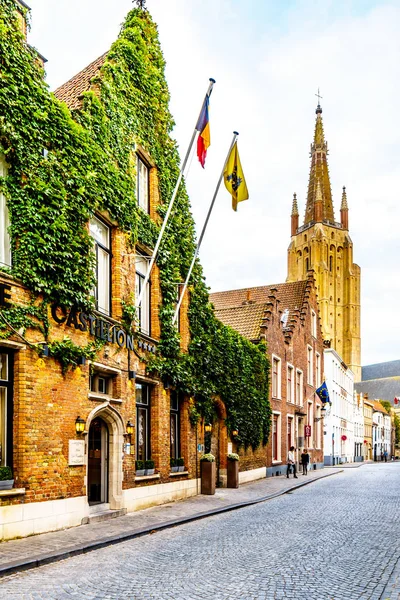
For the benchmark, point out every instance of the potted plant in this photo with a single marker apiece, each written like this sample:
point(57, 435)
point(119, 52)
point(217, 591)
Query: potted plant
point(207, 470)
point(149, 467)
point(6, 480)
point(180, 464)
point(173, 465)
point(233, 470)
point(139, 468)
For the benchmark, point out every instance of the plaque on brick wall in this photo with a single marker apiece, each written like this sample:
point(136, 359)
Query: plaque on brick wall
point(76, 454)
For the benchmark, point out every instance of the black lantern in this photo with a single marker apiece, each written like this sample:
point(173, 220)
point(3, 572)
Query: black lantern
point(130, 428)
point(208, 428)
point(79, 425)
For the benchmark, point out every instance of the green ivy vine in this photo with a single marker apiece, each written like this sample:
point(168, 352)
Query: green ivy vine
point(88, 166)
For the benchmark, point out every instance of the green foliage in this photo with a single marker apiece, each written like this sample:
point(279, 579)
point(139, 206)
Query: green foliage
point(180, 462)
point(20, 318)
point(397, 428)
point(233, 456)
point(90, 166)
point(139, 465)
point(207, 458)
point(386, 404)
point(70, 354)
point(5, 474)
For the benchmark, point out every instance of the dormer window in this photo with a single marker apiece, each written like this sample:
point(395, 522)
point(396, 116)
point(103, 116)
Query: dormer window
point(142, 184)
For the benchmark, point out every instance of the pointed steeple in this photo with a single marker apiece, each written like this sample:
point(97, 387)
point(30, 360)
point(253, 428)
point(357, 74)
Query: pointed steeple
point(344, 210)
point(319, 182)
point(294, 216)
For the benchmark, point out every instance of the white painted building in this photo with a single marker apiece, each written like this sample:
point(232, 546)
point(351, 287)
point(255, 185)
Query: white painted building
point(358, 419)
point(381, 431)
point(339, 435)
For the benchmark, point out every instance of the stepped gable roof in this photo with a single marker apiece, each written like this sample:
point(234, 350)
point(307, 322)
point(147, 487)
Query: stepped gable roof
point(244, 309)
point(381, 370)
point(71, 91)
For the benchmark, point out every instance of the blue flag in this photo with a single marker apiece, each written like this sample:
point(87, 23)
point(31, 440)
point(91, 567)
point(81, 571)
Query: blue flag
point(322, 393)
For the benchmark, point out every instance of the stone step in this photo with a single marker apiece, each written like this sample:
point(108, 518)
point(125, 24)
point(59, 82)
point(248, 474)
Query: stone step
point(104, 516)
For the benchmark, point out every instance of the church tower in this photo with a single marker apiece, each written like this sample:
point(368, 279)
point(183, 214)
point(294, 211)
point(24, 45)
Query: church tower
point(323, 245)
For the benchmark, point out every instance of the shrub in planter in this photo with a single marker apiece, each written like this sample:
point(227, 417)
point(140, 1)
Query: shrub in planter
point(6, 478)
point(233, 456)
point(207, 458)
point(173, 465)
point(181, 464)
point(149, 467)
point(139, 468)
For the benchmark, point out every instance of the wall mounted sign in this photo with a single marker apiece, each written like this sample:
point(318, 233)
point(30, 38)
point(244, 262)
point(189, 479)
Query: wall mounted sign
point(307, 430)
point(76, 452)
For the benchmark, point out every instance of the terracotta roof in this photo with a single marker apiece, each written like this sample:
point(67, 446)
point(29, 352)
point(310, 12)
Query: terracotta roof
point(71, 91)
point(244, 319)
point(244, 309)
point(378, 407)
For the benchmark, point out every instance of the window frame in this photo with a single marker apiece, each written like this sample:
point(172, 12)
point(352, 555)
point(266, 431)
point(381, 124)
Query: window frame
point(97, 244)
point(290, 384)
point(6, 454)
point(317, 369)
point(5, 238)
point(175, 414)
point(299, 384)
point(139, 278)
point(310, 365)
point(146, 408)
point(276, 381)
point(313, 323)
point(141, 161)
point(276, 447)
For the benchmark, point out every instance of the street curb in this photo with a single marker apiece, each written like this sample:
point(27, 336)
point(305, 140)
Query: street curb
point(51, 557)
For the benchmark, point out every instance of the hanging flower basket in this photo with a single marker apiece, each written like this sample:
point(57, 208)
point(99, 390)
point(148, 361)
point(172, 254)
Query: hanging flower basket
point(344, 438)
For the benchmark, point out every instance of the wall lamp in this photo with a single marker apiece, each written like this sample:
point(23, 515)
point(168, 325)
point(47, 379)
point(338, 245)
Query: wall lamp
point(323, 414)
point(208, 428)
point(130, 428)
point(79, 425)
point(235, 432)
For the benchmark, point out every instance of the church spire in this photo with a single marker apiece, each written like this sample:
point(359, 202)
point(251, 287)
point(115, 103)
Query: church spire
point(294, 216)
point(319, 182)
point(344, 210)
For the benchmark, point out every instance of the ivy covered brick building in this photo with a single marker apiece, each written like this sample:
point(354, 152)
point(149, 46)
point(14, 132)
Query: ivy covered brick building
point(86, 174)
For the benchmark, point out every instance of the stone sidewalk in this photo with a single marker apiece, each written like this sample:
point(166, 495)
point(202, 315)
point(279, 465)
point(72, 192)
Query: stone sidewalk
point(26, 553)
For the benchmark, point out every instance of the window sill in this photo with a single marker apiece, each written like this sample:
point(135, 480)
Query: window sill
point(103, 397)
point(147, 477)
point(277, 462)
point(12, 492)
point(179, 474)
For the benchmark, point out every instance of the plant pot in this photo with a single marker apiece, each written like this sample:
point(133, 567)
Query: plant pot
point(174, 469)
point(233, 474)
point(140, 473)
point(207, 477)
point(7, 484)
point(149, 471)
point(181, 469)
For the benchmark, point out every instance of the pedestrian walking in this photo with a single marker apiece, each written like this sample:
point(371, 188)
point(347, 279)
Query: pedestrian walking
point(385, 455)
point(291, 463)
point(305, 460)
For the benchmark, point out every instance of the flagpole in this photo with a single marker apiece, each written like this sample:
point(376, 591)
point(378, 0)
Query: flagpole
point(171, 202)
point(235, 134)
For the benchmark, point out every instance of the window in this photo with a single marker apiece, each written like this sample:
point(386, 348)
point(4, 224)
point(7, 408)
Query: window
point(276, 377)
point(6, 410)
point(143, 448)
point(310, 422)
point(299, 388)
point(317, 370)
point(313, 324)
point(289, 432)
point(276, 437)
point(309, 365)
point(142, 184)
point(101, 384)
point(174, 427)
point(144, 308)
point(100, 233)
point(5, 246)
point(290, 384)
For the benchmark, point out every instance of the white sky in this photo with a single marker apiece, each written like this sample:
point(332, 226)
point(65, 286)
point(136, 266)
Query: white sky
point(268, 59)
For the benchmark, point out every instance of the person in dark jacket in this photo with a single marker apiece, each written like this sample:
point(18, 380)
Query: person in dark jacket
point(305, 461)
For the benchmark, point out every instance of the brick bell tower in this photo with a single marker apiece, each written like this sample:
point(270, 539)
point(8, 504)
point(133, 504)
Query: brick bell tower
point(323, 245)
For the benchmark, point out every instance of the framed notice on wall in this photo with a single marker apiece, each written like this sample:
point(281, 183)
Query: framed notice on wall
point(76, 452)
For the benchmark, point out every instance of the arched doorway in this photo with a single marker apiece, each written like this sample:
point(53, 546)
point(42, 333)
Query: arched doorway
point(98, 456)
point(104, 456)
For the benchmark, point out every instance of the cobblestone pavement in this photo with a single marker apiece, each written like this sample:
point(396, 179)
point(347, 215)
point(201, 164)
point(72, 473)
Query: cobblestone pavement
point(337, 539)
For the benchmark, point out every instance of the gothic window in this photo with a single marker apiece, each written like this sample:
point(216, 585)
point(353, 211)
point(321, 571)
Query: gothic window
point(174, 426)
point(143, 443)
point(143, 310)
point(5, 246)
point(142, 184)
point(6, 409)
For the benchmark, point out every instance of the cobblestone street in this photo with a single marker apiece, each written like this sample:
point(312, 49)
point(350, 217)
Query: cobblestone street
point(336, 539)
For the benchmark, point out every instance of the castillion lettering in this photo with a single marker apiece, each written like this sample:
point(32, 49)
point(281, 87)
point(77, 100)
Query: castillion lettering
point(96, 326)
